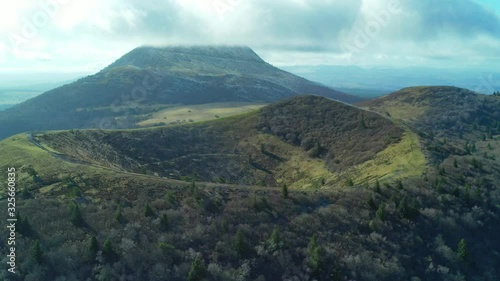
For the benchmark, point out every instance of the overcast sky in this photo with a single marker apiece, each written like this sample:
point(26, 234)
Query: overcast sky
point(83, 36)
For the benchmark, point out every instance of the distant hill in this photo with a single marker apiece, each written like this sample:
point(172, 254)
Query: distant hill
point(5, 106)
point(442, 111)
point(148, 79)
point(368, 82)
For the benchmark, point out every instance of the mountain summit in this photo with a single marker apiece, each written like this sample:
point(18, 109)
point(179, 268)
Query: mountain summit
point(148, 79)
point(170, 57)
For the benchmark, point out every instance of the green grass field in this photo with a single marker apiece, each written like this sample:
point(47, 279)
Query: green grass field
point(400, 160)
point(201, 112)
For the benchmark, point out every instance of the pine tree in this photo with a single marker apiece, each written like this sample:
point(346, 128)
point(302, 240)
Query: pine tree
point(36, 253)
point(275, 240)
point(377, 187)
point(148, 211)
point(23, 225)
point(93, 247)
point(255, 204)
point(407, 209)
point(195, 191)
point(315, 151)
point(462, 249)
point(284, 191)
point(315, 255)
point(164, 222)
point(108, 250)
point(197, 271)
point(363, 124)
point(119, 215)
point(336, 275)
point(442, 171)
point(371, 203)
point(241, 246)
point(381, 212)
point(193, 188)
point(400, 184)
point(76, 215)
point(349, 182)
point(313, 244)
point(25, 193)
point(467, 148)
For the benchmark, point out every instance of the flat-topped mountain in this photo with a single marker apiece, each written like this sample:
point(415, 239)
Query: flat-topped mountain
point(189, 56)
point(148, 79)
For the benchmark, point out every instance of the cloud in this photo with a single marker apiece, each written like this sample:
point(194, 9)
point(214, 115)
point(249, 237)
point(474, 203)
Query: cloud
point(95, 32)
point(463, 18)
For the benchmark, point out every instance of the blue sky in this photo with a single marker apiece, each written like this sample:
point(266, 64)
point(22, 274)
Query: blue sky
point(493, 4)
point(70, 36)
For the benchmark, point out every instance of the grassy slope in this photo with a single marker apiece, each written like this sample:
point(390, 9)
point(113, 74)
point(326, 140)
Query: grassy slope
point(401, 160)
point(197, 113)
point(23, 155)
